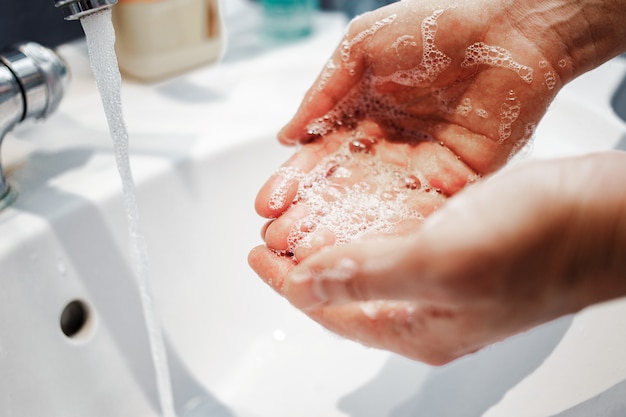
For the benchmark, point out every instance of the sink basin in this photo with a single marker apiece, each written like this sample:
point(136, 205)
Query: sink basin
point(72, 336)
point(235, 347)
point(619, 106)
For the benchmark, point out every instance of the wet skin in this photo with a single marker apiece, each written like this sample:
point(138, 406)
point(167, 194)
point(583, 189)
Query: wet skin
point(442, 290)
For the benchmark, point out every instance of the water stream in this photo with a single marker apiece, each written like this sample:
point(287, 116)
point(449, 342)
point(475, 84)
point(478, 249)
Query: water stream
point(100, 37)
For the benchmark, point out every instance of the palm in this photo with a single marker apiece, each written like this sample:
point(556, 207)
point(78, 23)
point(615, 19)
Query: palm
point(445, 107)
point(445, 75)
point(355, 183)
point(446, 96)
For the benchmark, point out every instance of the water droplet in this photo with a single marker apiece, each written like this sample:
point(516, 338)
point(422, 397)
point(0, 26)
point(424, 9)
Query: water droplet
point(412, 182)
point(61, 268)
point(279, 335)
point(362, 145)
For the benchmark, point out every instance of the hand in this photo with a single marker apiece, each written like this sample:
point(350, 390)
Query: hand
point(446, 94)
point(465, 76)
point(526, 246)
point(413, 79)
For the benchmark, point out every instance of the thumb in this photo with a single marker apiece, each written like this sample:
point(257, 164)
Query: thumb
point(357, 271)
point(411, 268)
point(435, 262)
point(332, 85)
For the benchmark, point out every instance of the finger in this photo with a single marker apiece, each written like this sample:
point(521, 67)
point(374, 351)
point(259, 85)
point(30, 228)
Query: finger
point(264, 228)
point(278, 232)
point(428, 333)
point(422, 332)
point(419, 266)
point(280, 189)
point(332, 85)
point(269, 266)
point(277, 194)
point(320, 238)
point(440, 166)
point(341, 74)
point(357, 271)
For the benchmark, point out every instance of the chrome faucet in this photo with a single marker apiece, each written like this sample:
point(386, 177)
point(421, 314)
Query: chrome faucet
point(32, 83)
point(76, 9)
point(33, 80)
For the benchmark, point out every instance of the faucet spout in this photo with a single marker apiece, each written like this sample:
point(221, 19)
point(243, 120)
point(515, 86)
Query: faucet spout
point(32, 83)
point(77, 9)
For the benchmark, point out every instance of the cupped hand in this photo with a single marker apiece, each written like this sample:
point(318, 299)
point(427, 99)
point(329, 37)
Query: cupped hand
point(433, 96)
point(500, 257)
point(446, 93)
point(464, 75)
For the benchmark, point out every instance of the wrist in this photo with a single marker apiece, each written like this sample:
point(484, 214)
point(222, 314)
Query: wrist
point(574, 35)
point(595, 230)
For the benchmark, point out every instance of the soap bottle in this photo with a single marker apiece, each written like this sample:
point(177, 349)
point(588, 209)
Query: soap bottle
point(288, 19)
point(157, 39)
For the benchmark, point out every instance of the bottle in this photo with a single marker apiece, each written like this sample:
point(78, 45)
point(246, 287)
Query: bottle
point(288, 19)
point(157, 39)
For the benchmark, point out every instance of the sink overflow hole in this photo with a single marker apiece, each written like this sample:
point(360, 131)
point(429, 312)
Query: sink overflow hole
point(74, 318)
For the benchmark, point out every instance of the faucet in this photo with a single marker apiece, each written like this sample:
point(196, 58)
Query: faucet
point(76, 9)
point(32, 83)
point(33, 80)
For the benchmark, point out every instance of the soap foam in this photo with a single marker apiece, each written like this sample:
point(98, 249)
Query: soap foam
point(364, 100)
point(401, 311)
point(352, 194)
point(403, 41)
point(465, 107)
point(327, 73)
point(371, 309)
point(288, 176)
point(524, 146)
point(482, 113)
point(444, 99)
point(433, 61)
point(495, 56)
point(550, 78)
point(347, 45)
point(509, 112)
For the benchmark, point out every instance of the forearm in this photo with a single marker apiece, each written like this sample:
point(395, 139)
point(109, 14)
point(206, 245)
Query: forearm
point(598, 222)
point(575, 35)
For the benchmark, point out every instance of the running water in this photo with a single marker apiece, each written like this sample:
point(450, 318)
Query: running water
point(100, 37)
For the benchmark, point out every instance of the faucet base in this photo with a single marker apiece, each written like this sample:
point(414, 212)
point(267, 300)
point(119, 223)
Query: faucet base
point(77, 9)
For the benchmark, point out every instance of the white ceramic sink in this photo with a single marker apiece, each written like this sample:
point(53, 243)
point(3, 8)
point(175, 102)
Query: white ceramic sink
point(236, 349)
point(235, 346)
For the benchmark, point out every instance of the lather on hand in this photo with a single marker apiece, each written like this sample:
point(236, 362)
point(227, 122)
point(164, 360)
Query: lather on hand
point(453, 91)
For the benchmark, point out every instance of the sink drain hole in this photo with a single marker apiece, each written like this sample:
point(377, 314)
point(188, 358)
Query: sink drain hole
point(74, 318)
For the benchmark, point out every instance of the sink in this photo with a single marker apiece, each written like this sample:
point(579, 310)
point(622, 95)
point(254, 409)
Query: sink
point(72, 338)
point(619, 106)
point(235, 347)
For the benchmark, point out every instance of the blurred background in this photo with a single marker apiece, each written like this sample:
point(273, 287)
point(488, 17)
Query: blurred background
point(40, 21)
